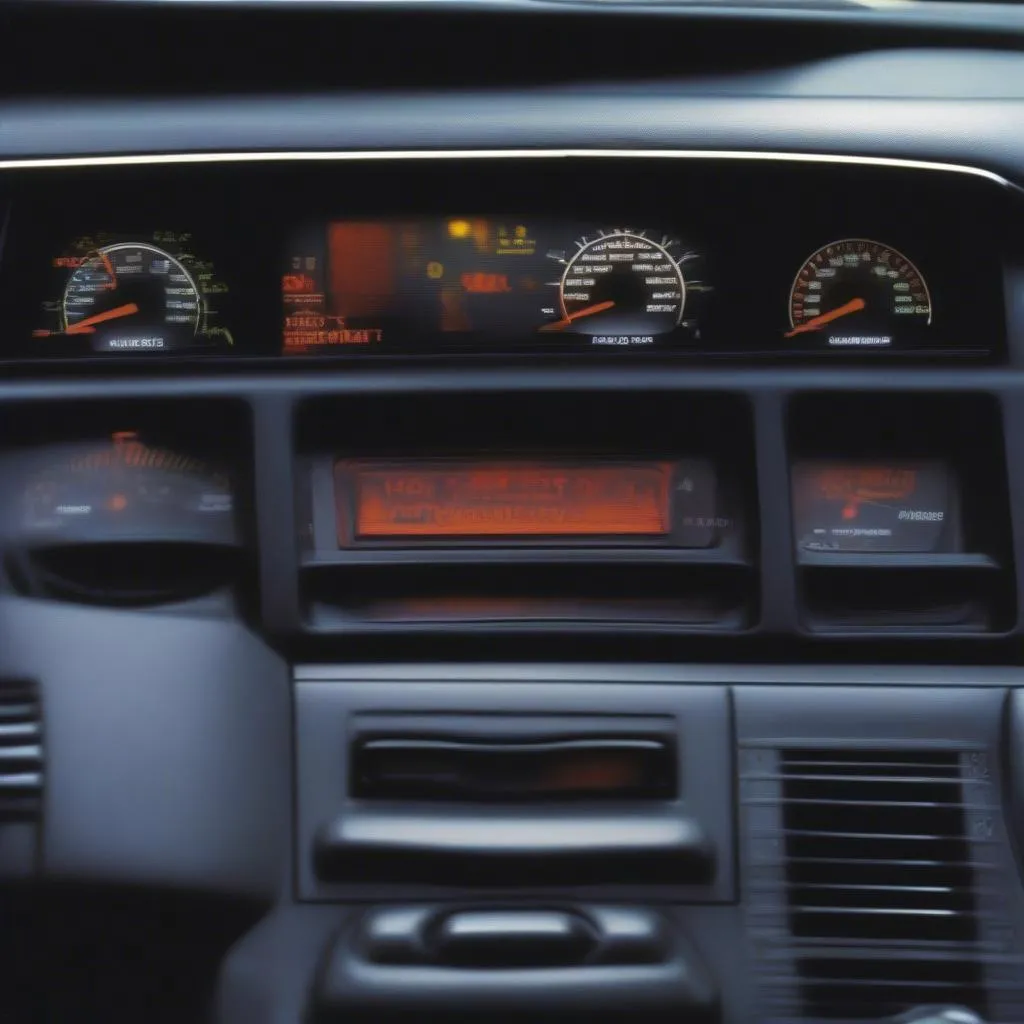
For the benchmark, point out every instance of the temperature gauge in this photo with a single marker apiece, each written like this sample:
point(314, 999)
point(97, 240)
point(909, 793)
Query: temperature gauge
point(873, 508)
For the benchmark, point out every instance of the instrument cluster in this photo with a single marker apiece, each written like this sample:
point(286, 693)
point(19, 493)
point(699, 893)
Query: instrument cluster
point(758, 261)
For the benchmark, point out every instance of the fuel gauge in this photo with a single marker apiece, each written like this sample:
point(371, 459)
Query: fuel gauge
point(904, 507)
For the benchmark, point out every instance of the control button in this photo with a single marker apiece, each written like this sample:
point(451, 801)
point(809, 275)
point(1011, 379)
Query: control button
point(513, 938)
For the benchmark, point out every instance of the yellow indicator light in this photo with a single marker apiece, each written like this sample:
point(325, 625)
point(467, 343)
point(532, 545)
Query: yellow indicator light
point(435, 269)
point(459, 228)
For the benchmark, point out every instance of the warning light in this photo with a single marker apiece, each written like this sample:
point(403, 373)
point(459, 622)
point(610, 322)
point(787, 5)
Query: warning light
point(435, 270)
point(297, 284)
point(520, 231)
point(459, 228)
point(117, 503)
point(850, 512)
point(487, 283)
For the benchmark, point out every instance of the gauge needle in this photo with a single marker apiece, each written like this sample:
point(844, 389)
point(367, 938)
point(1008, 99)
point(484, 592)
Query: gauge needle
point(597, 307)
point(88, 325)
point(109, 267)
point(853, 306)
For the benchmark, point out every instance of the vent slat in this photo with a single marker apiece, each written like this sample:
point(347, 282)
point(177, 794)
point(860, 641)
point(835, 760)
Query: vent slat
point(877, 861)
point(892, 780)
point(822, 802)
point(809, 833)
point(21, 753)
point(832, 887)
point(862, 763)
point(18, 732)
point(885, 862)
point(18, 711)
point(28, 753)
point(853, 911)
point(869, 983)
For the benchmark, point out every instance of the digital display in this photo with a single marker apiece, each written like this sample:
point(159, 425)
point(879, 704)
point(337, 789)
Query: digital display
point(673, 502)
point(489, 282)
point(883, 507)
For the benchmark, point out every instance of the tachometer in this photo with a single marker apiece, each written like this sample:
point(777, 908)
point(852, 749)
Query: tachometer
point(131, 291)
point(125, 490)
point(621, 285)
point(856, 293)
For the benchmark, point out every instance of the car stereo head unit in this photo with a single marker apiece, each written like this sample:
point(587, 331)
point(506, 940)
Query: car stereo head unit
point(460, 501)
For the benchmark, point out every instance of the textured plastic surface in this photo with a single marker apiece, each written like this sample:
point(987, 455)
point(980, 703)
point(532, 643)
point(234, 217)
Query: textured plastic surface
point(811, 107)
point(558, 845)
point(167, 747)
point(674, 980)
point(268, 976)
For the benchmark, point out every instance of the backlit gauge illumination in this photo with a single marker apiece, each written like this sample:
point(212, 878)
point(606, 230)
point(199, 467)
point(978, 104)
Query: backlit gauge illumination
point(621, 285)
point(848, 507)
point(125, 490)
point(130, 295)
point(856, 293)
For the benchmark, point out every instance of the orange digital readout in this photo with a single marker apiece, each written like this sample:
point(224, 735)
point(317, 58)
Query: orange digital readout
point(510, 500)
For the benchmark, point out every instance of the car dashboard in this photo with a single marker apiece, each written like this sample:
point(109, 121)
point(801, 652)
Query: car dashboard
point(479, 542)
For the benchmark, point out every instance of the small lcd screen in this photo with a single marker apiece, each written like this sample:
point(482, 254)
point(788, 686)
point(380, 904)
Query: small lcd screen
point(906, 507)
point(508, 500)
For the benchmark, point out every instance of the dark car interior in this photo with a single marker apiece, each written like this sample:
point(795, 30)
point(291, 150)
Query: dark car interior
point(511, 510)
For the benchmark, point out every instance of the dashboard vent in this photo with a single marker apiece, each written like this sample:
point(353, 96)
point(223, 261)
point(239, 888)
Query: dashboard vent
point(881, 863)
point(21, 753)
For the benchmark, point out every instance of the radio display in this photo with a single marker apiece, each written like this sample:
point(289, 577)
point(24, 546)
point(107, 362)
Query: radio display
point(671, 502)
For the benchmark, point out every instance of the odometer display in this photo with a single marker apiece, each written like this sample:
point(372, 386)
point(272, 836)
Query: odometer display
point(856, 293)
point(874, 508)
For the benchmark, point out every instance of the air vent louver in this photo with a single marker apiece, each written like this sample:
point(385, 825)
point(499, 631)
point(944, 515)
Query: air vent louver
point(872, 875)
point(21, 753)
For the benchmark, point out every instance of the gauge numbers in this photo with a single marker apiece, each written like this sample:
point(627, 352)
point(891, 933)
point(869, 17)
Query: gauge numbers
point(622, 288)
point(858, 293)
point(125, 490)
point(134, 284)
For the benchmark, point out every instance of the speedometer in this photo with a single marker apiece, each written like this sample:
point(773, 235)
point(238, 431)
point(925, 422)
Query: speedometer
point(130, 294)
point(856, 293)
point(620, 285)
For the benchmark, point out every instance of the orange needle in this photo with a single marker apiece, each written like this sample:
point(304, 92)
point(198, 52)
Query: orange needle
point(109, 267)
point(853, 306)
point(597, 307)
point(87, 326)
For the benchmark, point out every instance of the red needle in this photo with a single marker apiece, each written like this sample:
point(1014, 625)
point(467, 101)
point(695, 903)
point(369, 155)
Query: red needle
point(109, 267)
point(853, 306)
point(598, 307)
point(88, 325)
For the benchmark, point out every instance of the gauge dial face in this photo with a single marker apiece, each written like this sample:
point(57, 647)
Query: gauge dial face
point(856, 293)
point(620, 284)
point(131, 285)
point(874, 508)
point(126, 490)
